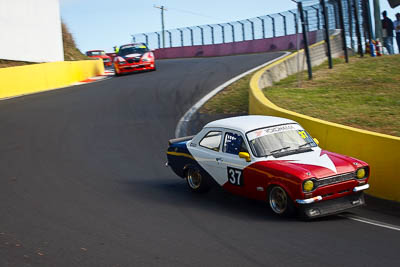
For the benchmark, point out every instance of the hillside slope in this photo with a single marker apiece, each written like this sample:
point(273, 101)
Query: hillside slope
point(71, 52)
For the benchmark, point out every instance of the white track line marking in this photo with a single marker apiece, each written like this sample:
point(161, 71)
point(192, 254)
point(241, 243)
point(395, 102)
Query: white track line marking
point(188, 115)
point(372, 222)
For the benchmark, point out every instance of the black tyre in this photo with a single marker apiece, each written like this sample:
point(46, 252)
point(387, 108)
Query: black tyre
point(280, 202)
point(196, 182)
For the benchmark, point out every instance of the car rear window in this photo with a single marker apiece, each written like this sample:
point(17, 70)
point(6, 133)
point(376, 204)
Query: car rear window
point(212, 140)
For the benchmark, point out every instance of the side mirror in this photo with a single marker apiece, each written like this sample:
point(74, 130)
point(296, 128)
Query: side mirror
point(244, 155)
point(316, 141)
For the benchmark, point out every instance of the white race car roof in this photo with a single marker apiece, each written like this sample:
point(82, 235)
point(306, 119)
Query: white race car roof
point(248, 123)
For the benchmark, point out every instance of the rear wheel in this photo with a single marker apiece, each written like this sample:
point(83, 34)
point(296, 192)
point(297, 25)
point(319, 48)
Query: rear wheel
point(196, 182)
point(280, 202)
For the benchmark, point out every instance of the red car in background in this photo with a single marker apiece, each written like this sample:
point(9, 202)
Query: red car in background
point(112, 55)
point(100, 54)
point(134, 57)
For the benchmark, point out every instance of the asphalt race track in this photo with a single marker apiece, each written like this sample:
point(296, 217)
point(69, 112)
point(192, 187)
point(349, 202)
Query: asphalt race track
point(83, 183)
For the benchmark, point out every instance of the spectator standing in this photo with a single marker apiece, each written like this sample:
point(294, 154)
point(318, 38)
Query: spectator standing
point(387, 33)
point(396, 25)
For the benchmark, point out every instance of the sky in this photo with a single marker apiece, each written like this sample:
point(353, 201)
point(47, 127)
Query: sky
point(103, 24)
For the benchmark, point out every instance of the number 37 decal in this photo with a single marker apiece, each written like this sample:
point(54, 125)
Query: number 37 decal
point(235, 176)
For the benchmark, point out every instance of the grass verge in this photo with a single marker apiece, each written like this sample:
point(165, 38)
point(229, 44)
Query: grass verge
point(234, 99)
point(364, 94)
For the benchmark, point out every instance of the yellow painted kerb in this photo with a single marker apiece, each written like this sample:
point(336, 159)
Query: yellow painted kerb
point(380, 151)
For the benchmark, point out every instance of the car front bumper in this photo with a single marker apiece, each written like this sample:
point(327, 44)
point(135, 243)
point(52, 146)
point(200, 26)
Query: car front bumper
point(318, 207)
point(332, 206)
point(125, 68)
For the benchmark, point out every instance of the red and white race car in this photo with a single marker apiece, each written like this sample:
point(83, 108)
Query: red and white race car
point(100, 54)
point(134, 57)
point(270, 159)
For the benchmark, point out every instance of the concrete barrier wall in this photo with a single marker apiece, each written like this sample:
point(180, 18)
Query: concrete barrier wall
point(288, 42)
point(296, 62)
point(16, 81)
point(380, 151)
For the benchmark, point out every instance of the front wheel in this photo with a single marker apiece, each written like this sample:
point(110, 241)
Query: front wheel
point(279, 201)
point(196, 182)
point(116, 72)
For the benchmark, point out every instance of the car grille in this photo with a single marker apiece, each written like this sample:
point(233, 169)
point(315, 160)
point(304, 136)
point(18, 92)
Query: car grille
point(335, 179)
point(133, 60)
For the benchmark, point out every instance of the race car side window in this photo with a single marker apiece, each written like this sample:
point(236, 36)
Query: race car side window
point(233, 144)
point(212, 140)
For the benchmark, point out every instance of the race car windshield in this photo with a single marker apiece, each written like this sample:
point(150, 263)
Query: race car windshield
point(279, 139)
point(133, 50)
point(96, 53)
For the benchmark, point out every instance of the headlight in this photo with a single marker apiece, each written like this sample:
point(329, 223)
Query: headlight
point(361, 173)
point(145, 59)
point(122, 62)
point(308, 186)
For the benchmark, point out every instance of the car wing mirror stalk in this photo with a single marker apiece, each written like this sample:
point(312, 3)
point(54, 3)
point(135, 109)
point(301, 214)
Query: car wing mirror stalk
point(245, 155)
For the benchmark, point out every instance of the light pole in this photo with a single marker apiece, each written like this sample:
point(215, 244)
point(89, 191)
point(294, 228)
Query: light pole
point(162, 8)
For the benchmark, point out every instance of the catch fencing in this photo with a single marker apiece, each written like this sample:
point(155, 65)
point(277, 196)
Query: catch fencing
point(266, 26)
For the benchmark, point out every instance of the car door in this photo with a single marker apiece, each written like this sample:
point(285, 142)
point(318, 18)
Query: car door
point(232, 164)
point(207, 154)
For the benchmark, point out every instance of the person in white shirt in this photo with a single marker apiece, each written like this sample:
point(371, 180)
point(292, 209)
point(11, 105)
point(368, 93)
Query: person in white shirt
point(396, 25)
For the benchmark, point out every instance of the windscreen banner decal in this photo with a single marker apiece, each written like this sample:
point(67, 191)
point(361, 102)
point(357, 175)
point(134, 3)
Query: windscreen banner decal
point(134, 46)
point(273, 130)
